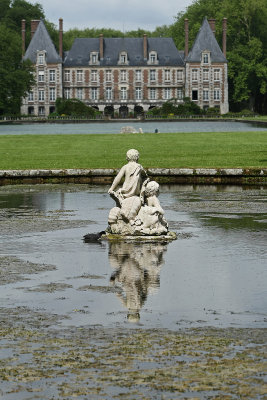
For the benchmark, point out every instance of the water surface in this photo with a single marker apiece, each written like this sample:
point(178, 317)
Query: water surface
point(115, 127)
point(213, 275)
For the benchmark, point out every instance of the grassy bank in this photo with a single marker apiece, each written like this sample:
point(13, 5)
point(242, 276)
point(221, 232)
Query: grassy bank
point(192, 150)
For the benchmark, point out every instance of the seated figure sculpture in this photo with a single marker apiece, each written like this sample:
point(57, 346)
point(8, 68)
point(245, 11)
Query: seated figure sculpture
point(138, 210)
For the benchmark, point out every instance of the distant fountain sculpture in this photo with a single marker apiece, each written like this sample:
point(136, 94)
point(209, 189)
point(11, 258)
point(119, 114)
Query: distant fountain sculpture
point(138, 211)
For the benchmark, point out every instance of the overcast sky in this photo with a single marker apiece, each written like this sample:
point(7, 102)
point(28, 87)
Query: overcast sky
point(118, 14)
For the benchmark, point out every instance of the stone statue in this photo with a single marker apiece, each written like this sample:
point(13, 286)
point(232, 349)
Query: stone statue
point(138, 211)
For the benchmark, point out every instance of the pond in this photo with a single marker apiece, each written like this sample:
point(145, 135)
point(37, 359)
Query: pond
point(115, 127)
point(214, 274)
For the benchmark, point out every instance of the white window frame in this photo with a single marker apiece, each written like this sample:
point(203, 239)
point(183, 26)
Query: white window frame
point(206, 74)
point(153, 94)
point(30, 96)
point(41, 95)
point(108, 93)
point(52, 94)
point(80, 93)
point(206, 95)
point(167, 93)
point(94, 75)
point(217, 94)
point(94, 93)
point(109, 75)
point(123, 75)
point(41, 59)
point(41, 110)
point(205, 58)
point(138, 75)
point(180, 75)
point(67, 93)
point(67, 75)
point(152, 74)
point(180, 93)
point(194, 74)
point(123, 93)
point(41, 76)
point(217, 74)
point(52, 75)
point(138, 93)
point(167, 75)
point(79, 75)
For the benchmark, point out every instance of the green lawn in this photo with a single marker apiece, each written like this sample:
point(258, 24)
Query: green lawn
point(192, 150)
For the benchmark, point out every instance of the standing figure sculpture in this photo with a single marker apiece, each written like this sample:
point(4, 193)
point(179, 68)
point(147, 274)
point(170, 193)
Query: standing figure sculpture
point(138, 211)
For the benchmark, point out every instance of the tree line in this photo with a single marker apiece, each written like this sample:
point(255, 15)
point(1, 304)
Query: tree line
point(246, 46)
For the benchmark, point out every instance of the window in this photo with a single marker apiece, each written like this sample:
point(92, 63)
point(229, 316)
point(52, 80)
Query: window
point(80, 93)
point(138, 93)
point(167, 93)
point(94, 93)
point(123, 58)
point(67, 75)
point(41, 76)
point(217, 74)
point(41, 59)
point(194, 95)
point(205, 74)
point(108, 93)
point(94, 58)
point(180, 75)
point(94, 75)
point(138, 75)
point(205, 95)
point(41, 95)
point(30, 96)
point(123, 93)
point(194, 74)
point(41, 110)
point(205, 58)
point(108, 75)
point(152, 93)
point(52, 94)
point(180, 94)
point(153, 57)
point(79, 75)
point(152, 74)
point(167, 75)
point(216, 94)
point(52, 75)
point(123, 75)
point(67, 93)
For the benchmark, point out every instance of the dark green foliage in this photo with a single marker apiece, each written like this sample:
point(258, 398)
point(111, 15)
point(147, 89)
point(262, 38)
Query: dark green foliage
point(172, 107)
point(73, 107)
point(15, 77)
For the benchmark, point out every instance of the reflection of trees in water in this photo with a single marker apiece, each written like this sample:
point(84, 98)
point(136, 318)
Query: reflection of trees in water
point(136, 272)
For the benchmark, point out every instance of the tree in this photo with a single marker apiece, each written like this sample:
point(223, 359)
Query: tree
point(16, 78)
point(246, 45)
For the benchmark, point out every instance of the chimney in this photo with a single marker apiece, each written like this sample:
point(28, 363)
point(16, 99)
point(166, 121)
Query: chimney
point(34, 25)
point(212, 24)
point(186, 37)
point(145, 46)
point(224, 36)
point(60, 47)
point(101, 46)
point(23, 32)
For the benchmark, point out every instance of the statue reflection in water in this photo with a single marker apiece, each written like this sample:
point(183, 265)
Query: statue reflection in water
point(136, 273)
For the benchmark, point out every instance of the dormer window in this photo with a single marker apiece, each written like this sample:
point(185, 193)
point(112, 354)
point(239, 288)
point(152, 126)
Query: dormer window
point(41, 58)
point(153, 58)
point(94, 58)
point(205, 58)
point(123, 59)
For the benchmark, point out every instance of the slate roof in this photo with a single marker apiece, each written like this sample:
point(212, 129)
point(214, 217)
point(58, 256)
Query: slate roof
point(79, 54)
point(42, 41)
point(205, 40)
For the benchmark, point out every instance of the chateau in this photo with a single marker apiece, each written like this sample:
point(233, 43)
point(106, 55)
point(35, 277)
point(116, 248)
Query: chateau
point(126, 75)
